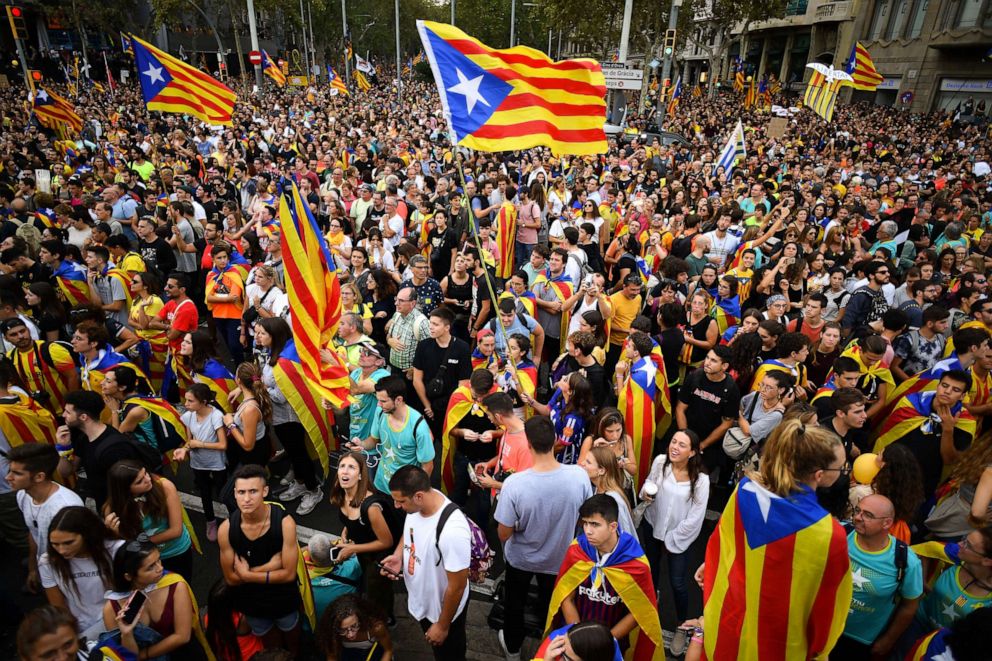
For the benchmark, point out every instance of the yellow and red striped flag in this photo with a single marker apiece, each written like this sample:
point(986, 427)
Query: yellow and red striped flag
point(506, 234)
point(272, 70)
point(53, 111)
point(777, 578)
point(821, 95)
point(362, 82)
point(307, 377)
point(335, 81)
point(170, 85)
point(517, 98)
point(751, 97)
point(863, 73)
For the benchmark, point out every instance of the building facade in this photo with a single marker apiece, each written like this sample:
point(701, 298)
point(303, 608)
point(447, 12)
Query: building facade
point(932, 53)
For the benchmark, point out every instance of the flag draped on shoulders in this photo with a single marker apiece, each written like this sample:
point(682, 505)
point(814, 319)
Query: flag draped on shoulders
point(170, 85)
point(727, 312)
point(306, 401)
point(916, 411)
point(516, 98)
point(461, 404)
point(542, 651)
point(637, 401)
point(922, 382)
point(563, 287)
point(94, 372)
point(220, 380)
point(506, 234)
point(771, 365)
point(26, 421)
point(629, 574)
point(72, 284)
point(777, 579)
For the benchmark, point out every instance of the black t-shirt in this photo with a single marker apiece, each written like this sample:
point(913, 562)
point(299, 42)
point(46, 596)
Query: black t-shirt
point(595, 374)
point(708, 402)
point(925, 446)
point(442, 243)
point(476, 450)
point(97, 462)
point(430, 356)
point(158, 255)
point(671, 341)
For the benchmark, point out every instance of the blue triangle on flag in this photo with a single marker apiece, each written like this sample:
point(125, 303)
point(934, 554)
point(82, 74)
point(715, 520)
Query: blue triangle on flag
point(473, 94)
point(152, 73)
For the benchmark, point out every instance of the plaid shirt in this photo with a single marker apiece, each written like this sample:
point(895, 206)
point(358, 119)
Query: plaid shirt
point(409, 330)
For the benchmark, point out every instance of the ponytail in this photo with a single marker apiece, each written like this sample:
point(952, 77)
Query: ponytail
point(792, 454)
point(249, 377)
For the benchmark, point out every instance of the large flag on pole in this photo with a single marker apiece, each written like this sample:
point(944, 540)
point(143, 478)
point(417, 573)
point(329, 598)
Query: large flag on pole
point(733, 150)
point(170, 85)
point(55, 112)
point(517, 98)
point(822, 88)
point(676, 93)
point(309, 372)
point(335, 81)
point(272, 70)
point(862, 70)
point(362, 82)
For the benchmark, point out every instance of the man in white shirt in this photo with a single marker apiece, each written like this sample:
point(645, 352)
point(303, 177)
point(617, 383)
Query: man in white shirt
point(722, 242)
point(29, 474)
point(392, 224)
point(433, 560)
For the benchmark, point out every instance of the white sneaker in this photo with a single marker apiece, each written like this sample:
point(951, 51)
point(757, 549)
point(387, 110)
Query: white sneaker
point(294, 491)
point(288, 478)
point(506, 652)
point(310, 501)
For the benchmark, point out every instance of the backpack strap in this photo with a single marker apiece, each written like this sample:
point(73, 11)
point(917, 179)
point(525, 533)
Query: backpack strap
point(901, 562)
point(446, 513)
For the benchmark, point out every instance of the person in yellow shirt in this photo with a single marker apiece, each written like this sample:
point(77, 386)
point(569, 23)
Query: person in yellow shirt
point(153, 344)
point(626, 304)
point(225, 299)
point(124, 258)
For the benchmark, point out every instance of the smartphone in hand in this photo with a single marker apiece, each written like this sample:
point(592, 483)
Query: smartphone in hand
point(133, 606)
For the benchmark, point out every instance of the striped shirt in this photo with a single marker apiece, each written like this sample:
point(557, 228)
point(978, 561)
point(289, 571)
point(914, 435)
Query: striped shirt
point(409, 330)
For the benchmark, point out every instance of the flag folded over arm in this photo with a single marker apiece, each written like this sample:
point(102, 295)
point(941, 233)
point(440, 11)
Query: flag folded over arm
point(516, 98)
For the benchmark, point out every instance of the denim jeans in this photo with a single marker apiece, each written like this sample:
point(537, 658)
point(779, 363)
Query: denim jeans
point(522, 254)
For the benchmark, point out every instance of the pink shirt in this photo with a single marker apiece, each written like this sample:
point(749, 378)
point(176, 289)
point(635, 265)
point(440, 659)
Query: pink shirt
point(529, 213)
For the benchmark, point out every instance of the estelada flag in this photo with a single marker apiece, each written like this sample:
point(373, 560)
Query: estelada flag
point(461, 404)
point(272, 70)
point(863, 72)
point(54, 111)
point(527, 300)
point(220, 380)
point(638, 400)
point(72, 284)
point(516, 98)
point(170, 85)
point(922, 382)
point(775, 365)
point(727, 312)
point(93, 373)
point(915, 411)
point(303, 396)
point(563, 288)
point(314, 297)
point(777, 581)
point(873, 375)
point(628, 573)
point(506, 235)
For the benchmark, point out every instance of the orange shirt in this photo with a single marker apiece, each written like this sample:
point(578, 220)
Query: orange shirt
point(228, 282)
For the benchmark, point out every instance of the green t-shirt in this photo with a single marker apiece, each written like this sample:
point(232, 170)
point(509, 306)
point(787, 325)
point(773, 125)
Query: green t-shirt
point(400, 447)
point(874, 577)
point(363, 407)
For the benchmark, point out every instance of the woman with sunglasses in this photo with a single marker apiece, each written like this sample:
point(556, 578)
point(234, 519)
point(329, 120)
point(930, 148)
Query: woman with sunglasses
point(339, 243)
point(352, 630)
point(153, 344)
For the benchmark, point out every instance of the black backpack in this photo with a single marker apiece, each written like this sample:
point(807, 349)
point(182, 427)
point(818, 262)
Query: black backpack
point(150, 457)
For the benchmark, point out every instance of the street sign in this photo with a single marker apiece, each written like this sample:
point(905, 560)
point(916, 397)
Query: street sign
point(623, 79)
point(255, 57)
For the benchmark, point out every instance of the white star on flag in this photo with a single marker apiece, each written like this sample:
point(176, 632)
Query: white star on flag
point(154, 73)
point(764, 497)
point(43, 95)
point(469, 89)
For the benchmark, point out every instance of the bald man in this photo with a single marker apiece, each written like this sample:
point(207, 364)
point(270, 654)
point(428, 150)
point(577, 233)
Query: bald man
point(888, 578)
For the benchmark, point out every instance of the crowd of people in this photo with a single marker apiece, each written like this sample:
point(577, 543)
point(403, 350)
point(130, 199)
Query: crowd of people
point(557, 366)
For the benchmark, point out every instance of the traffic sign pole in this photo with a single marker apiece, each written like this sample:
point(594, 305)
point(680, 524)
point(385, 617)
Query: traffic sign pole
point(15, 17)
point(669, 56)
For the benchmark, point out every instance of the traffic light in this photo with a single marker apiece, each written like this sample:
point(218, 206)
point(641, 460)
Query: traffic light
point(15, 16)
point(36, 76)
point(669, 43)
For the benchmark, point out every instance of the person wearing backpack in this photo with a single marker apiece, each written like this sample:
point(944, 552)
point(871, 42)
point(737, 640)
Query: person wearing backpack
point(433, 560)
point(47, 369)
point(888, 584)
point(95, 446)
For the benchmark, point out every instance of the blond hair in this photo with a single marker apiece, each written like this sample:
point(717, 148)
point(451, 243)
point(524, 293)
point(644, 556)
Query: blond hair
point(612, 478)
point(792, 454)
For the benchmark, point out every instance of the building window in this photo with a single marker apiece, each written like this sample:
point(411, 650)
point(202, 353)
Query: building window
point(900, 11)
point(883, 10)
point(971, 10)
point(916, 18)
